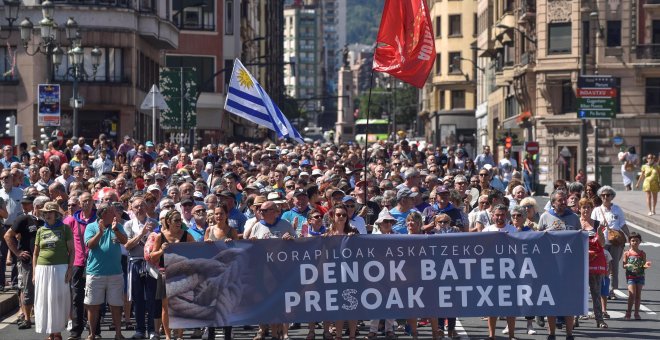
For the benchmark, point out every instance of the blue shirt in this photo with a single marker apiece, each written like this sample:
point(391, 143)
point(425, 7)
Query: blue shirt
point(105, 259)
point(237, 220)
point(290, 215)
point(400, 226)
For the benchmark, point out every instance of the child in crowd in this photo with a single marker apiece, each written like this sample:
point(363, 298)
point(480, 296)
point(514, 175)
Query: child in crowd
point(634, 262)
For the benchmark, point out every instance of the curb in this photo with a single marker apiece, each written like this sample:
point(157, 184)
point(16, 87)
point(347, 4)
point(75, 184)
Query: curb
point(8, 303)
point(644, 222)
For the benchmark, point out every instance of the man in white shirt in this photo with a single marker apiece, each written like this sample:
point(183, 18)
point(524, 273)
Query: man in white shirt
point(65, 178)
point(500, 218)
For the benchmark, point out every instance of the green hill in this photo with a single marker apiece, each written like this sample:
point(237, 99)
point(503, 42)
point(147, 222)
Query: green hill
point(363, 20)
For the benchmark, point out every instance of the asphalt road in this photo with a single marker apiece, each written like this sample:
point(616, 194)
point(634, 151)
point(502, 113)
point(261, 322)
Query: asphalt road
point(475, 328)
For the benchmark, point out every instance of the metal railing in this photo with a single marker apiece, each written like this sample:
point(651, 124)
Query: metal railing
point(651, 51)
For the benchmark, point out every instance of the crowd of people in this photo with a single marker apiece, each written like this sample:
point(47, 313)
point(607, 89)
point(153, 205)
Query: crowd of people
point(86, 226)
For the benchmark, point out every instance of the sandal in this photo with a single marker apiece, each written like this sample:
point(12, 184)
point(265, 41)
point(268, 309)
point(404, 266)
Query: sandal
point(371, 336)
point(627, 317)
point(311, 335)
point(601, 324)
point(606, 315)
point(637, 316)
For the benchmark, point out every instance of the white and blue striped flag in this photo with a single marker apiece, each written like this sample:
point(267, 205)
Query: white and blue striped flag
point(247, 99)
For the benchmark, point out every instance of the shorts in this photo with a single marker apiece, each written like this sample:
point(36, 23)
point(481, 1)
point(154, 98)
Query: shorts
point(25, 283)
point(100, 289)
point(605, 286)
point(636, 281)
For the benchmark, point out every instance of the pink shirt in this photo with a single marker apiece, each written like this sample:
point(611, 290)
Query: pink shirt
point(81, 250)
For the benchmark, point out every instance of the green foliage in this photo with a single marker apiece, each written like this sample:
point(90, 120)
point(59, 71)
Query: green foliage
point(170, 86)
point(363, 21)
point(403, 101)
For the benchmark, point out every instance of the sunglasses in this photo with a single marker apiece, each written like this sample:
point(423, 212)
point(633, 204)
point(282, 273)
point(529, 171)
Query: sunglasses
point(169, 206)
point(263, 211)
point(442, 222)
point(341, 215)
point(606, 195)
point(349, 206)
point(528, 206)
point(461, 183)
point(516, 215)
point(316, 217)
point(178, 220)
point(482, 175)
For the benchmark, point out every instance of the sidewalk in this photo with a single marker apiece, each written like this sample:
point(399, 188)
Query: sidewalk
point(633, 204)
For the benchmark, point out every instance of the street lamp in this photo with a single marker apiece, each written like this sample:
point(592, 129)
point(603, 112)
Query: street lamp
point(11, 13)
point(506, 27)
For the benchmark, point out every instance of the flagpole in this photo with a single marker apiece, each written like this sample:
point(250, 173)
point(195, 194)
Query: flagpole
point(366, 136)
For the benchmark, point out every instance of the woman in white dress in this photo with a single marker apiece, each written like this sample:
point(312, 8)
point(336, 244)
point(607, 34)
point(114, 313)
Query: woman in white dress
point(53, 260)
point(629, 162)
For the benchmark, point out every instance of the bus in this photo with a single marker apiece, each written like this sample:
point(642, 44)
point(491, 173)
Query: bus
point(378, 130)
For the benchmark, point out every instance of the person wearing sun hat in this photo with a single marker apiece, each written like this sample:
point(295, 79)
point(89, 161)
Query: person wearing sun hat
point(53, 261)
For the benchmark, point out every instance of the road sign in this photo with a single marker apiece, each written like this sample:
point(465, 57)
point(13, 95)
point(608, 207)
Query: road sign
point(597, 97)
point(154, 99)
point(596, 114)
point(532, 147)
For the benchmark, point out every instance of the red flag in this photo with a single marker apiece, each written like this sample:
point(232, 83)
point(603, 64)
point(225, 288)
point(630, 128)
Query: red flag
point(406, 48)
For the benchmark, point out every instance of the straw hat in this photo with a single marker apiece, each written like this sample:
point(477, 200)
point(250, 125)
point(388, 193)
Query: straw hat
point(52, 206)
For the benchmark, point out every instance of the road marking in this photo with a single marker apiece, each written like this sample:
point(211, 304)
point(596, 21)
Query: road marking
point(635, 226)
point(460, 330)
point(10, 320)
point(642, 307)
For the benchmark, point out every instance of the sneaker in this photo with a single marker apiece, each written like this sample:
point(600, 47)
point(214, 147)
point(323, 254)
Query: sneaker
point(154, 336)
point(197, 333)
point(294, 325)
point(530, 329)
point(540, 321)
point(205, 336)
point(69, 325)
point(505, 330)
point(138, 335)
point(25, 325)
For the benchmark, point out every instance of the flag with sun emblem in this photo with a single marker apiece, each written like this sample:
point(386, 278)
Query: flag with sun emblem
point(247, 99)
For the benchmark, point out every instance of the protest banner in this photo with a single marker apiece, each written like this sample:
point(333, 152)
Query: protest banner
point(376, 277)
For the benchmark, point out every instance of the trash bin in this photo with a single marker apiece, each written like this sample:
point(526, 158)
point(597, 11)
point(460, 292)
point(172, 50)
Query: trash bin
point(606, 175)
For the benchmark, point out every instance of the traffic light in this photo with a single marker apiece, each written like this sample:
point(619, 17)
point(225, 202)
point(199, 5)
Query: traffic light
point(10, 122)
point(508, 141)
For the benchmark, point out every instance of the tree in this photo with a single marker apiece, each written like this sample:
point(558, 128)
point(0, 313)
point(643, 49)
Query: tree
point(170, 86)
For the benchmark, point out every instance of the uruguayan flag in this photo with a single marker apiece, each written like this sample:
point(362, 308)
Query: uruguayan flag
point(247, 99)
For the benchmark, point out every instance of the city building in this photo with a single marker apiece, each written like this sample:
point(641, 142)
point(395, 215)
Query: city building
point(130, 36)
point(449, 101)
point(303, 45)
point(540, 48)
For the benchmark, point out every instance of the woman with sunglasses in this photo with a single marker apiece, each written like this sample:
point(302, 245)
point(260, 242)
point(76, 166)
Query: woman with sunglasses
point(612, 217)
point(339, 226)
point(314, 227)
point(170, 232)
point(531, 212)
point(651, 177)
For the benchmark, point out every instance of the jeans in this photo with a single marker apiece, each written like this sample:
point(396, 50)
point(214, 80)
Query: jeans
point(595, 281)
point(528, 179)
point(143, 295)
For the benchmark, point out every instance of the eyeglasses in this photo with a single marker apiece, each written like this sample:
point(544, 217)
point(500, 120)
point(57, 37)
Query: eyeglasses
point(263, 211)
point(480, 203)
point(516, 215)
point(199, 212)
point(606, 195)
point(315, 217)
point(482, 175)
point(169, 206)
point(461, 183)
point(290, 186)
point(77, 170)
point(341, 215)
point(443, 222)
point(528, 206)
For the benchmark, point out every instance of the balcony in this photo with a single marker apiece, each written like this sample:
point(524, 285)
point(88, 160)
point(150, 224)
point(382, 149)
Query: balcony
point(528, 10)
point(651, 51)
point(527, 58)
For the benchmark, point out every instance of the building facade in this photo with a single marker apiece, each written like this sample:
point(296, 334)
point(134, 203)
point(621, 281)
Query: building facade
point(545, 45)
point(449, 101)
point(130, 36)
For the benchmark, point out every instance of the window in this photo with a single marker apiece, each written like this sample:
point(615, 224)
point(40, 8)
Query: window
point(6, 63)
point(229, 18)
point(475, 25)
point(438, 27)
point(568, 101)
point(653, 95)
point(510, 106)
point(438, 64)
point(204, 68)
point(455, 25)
point(559, 38)
point(586, 31)
point(110, 68)
point(613, 33)
point(458, 99)
point(454, 63)
point(198, 16)
point(441, 100)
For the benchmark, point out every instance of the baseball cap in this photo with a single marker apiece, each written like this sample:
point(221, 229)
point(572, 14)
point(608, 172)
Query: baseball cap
point(317, 172)
point(299, 192)
point(187, 201)
point(348, 198)
point(227, 193)
point(27, 199)
point(149, 143)
point(405, 192)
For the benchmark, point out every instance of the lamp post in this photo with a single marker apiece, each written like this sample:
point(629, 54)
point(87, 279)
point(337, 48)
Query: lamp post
point(49, 45)
point(524, 35)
